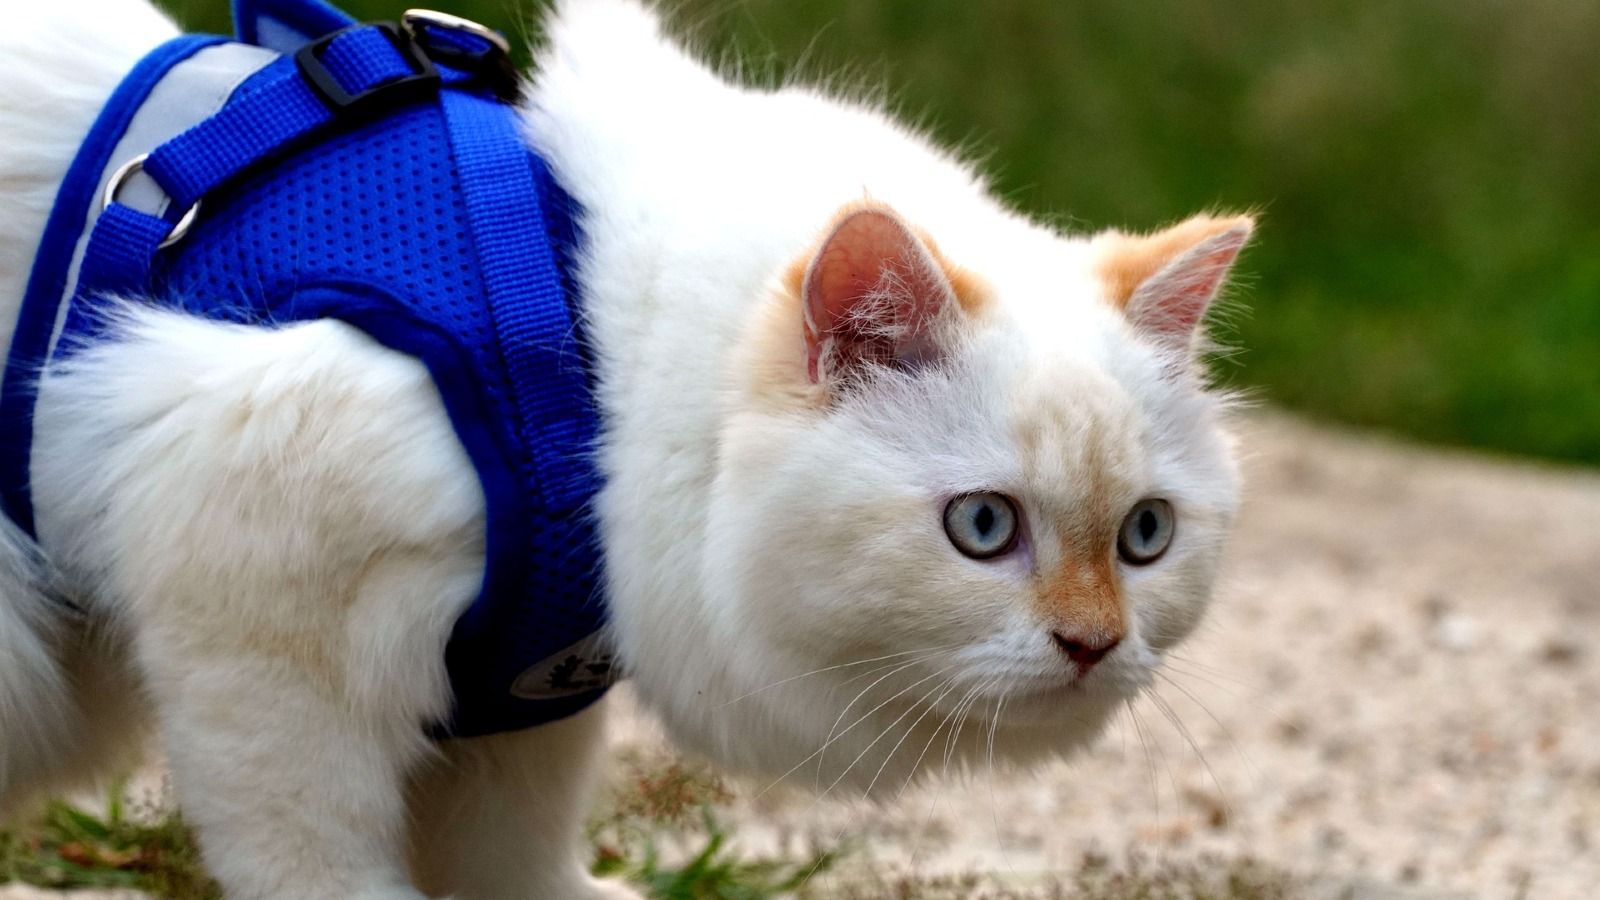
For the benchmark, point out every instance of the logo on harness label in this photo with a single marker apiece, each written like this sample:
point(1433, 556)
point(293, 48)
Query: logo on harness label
point(588, 665)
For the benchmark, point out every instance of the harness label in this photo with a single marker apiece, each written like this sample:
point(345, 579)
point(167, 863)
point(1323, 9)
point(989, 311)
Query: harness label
point(585, 666)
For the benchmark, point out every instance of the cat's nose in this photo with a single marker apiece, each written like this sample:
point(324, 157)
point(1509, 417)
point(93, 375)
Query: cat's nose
point(1087, 648)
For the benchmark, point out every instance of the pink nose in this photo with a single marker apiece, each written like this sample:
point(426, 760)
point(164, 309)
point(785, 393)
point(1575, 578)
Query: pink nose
point(1086, 649)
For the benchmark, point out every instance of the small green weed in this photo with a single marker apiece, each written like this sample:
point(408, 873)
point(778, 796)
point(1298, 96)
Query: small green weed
point(659, 831)
point(147, 849)
point(654, 806)
point(663, 793)
point(716, 872)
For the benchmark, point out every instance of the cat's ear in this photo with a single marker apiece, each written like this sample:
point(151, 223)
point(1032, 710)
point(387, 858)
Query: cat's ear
point(1164, 282)
point(871, 295)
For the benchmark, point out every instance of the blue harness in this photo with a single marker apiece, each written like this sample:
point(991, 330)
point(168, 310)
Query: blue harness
point(374, 174)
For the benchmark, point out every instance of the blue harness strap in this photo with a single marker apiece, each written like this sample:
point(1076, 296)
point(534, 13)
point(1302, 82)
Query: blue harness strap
point(49, 280)
point(274, 108)
point(377, 176)
point(285, 25)
point(517, 257)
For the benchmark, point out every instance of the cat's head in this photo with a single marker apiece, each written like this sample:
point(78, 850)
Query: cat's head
point(958, 496)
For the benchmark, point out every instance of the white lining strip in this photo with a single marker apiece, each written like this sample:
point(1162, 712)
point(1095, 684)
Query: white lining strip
point(189, 93)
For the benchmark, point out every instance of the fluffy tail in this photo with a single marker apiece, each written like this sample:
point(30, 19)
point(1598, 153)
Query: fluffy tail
point(71, 709)
point(38, 716)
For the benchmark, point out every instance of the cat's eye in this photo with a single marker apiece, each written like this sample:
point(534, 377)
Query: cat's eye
point(982, 525)
point(1146, 532)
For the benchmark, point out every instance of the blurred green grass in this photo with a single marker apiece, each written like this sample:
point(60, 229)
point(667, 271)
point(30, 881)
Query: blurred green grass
point(1428, 170)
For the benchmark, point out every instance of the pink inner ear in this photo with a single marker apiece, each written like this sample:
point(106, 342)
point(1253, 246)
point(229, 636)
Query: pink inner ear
point(870, 295)
point(1171, 303)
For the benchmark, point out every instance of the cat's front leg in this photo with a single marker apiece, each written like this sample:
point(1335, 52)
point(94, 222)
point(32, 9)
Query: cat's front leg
point(285, 523)
point(291, 794)
point(501, 817)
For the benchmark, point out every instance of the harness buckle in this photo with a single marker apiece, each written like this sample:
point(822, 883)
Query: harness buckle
point(466, 45)
point(423, 81)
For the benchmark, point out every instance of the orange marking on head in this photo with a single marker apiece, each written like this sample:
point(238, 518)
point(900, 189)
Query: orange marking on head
point(1083, 598)
point(1128, 260)
point(1079, 436)
point(794, 277)
point(973, 291)
point(772, 353)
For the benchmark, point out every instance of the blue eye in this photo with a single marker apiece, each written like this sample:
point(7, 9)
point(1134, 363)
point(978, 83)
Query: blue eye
point(982, 525)
point(1146, 532)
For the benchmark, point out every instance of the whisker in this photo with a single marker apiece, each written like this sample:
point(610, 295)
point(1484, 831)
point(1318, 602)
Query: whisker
point(864, 716)
point(994, 805)
point(857, 677)
point(1256, 704)
point(1149, 762)
point(947, 686)
point(948, 718)
point(1250, 764)
point(1156, 784)
point(829, 739)
point(1247, 684)
point(1177, 723)
point(1215, 677)
point(953, 738)
point(1166, 763)
point(859, 662)
point(886, 728)
point(958, 715)
point(951, 685)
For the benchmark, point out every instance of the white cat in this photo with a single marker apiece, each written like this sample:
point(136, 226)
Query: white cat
point(887, 467)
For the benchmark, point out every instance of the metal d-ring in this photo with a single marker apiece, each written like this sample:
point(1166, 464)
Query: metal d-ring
point(414, 20)
point(131, 168)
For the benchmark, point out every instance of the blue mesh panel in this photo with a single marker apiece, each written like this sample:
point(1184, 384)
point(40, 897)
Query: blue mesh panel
point(380, 205)
point(378, 201)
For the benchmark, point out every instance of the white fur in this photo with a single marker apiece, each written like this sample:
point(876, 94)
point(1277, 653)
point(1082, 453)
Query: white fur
point(272, 531)
point(34, 687)
point(717, 516)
